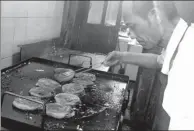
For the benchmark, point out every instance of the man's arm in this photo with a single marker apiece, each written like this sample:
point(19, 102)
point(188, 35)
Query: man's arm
point(146, 60)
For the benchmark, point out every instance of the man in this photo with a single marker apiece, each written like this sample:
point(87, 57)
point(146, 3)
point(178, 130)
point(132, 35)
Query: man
point(158, 23)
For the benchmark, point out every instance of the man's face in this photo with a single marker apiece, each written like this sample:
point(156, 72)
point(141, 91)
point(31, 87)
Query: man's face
point(147, 32)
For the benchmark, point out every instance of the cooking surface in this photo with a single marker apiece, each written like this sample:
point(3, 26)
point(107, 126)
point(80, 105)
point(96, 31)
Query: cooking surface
point(24, 77)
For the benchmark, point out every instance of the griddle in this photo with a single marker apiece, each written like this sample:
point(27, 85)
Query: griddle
point(23, 76)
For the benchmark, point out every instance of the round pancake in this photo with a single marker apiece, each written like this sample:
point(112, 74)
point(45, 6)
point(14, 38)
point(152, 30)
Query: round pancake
point(41, 92)
point(27, 105)
point(58, 111)
point(67, 99)
point(73, 88)
point(85, 76)
point(82, 82)
point(63, 74)
point(48, 83)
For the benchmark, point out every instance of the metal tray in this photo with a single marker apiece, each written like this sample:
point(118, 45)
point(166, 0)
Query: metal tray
point(21, 77)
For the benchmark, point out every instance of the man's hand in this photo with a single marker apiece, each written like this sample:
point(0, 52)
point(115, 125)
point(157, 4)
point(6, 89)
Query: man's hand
point(113, 58)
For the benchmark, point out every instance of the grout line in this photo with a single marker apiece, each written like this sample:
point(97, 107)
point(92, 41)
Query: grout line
point(26, 17)
point(15, 23)
point(26, 30)
point(9, 56)
point(5, 57)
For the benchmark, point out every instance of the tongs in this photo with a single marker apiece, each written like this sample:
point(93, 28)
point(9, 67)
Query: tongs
point(76, 128)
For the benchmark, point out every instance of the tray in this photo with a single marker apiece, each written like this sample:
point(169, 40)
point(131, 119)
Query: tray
point(21, 77)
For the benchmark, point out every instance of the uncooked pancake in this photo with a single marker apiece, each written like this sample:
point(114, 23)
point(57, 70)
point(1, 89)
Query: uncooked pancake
point(58, 111)
point(82, 82)
point(74, 88)
point(85, 76)
point(27, 105)
point(67, 99)
point(41, 92)
point(63, 74)
point(48, 83)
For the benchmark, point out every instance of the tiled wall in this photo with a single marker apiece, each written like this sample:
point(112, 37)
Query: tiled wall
point(24, 22)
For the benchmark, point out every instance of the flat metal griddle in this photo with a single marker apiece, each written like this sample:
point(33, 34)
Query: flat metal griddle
point(23, 76)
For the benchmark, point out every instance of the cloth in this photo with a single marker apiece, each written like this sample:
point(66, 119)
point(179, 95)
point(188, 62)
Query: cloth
point(178, 96)
point(161, 118)
point(172, 45)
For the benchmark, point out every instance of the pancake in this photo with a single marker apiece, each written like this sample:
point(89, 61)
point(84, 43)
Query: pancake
point(82, 82)
point(27, 105)
point(85, 76)
point(63, 74)
point(58, 111)
point(67, 99)
point(41, 92)
point(74, 88)
point(49, 83)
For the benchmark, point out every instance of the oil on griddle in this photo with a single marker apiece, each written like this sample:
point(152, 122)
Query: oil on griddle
point(23, 77)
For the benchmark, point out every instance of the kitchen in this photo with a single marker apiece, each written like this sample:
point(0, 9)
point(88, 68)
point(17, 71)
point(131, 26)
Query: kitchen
point(81, 34)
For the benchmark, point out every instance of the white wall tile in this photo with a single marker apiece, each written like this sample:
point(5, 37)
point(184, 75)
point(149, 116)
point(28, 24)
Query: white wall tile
point(6, 50)
point(24, 22)
point(38, 28)
point(19, 34)
point(40, 8)
point(13, 9)
point(56, 26)
point(7, 34)
point(58, 9)
point(6, 62)
point(7, 30)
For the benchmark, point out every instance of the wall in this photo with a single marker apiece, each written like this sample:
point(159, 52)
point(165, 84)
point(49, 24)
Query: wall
point(24, 22)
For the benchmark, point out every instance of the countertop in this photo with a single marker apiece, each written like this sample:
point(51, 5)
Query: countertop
point(58, 53)
point(62, 55)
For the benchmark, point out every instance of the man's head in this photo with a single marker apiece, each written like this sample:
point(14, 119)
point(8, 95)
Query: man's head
point(148, 20)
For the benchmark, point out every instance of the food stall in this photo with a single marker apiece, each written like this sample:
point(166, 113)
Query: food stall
point(103, 105)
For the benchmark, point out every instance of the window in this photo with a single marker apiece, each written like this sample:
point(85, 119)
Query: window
point(111, 13)
point(95, 12)
point(102, 12)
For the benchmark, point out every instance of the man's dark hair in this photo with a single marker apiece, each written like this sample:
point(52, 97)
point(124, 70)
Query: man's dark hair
point(142, 8)
point(168, 7)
